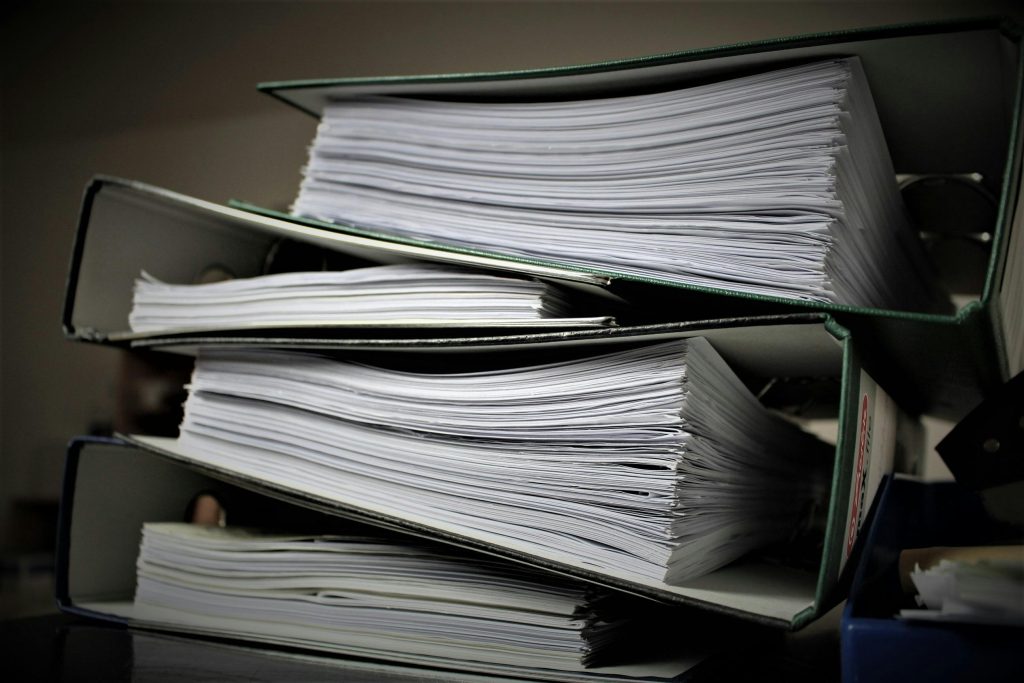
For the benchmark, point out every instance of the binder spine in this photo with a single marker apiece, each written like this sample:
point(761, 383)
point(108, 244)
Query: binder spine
point(74, 268)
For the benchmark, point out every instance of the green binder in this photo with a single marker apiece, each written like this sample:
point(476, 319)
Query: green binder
point(872, 438)
point(179, 238)
point(949, 100)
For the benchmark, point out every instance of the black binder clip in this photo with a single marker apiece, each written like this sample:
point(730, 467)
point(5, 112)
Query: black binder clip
point(985, 451)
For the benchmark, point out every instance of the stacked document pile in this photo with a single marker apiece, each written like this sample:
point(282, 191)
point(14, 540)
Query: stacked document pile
point(775, 184)
point(367, 596)
point(653, 463)
point(404, 294)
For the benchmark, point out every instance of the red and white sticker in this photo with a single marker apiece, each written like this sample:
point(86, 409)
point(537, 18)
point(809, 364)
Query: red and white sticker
point(859, 474)
point(876, 447)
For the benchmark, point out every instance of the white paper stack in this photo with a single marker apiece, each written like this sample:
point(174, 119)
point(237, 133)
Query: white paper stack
point(402, 294)
point(653, 463)
point(366, 596)
point(777, 183)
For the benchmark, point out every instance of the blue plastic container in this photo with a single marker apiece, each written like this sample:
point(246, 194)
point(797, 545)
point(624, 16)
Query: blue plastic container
point(878, 647)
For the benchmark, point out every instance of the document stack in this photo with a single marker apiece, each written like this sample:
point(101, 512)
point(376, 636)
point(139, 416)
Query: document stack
point(402, 294)
point(653, 462)
point(366, 596)
point(773, 184)
point(578, 323)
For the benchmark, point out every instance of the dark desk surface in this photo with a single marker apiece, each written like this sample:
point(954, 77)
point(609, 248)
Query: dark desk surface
point(69, 649)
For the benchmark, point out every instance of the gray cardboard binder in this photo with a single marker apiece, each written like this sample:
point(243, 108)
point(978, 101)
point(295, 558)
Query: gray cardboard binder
point(126, 227)
point(949, 98)
point(870, 433)
point(98, 543)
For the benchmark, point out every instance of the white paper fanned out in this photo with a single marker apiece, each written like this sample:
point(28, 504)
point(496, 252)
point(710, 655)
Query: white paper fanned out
point(654, 462)
point(367, 596)
point(777, 183)
point(391, 294)
point(986, 591)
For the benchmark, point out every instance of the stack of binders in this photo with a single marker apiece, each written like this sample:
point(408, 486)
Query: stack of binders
point(566, 328)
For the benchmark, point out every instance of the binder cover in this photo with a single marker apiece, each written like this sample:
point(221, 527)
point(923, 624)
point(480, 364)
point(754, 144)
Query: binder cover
point(126, 227)
point(949, 99)
point(799, 348)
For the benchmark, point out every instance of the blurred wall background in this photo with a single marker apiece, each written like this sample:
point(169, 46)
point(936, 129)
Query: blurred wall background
point(163, 91)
